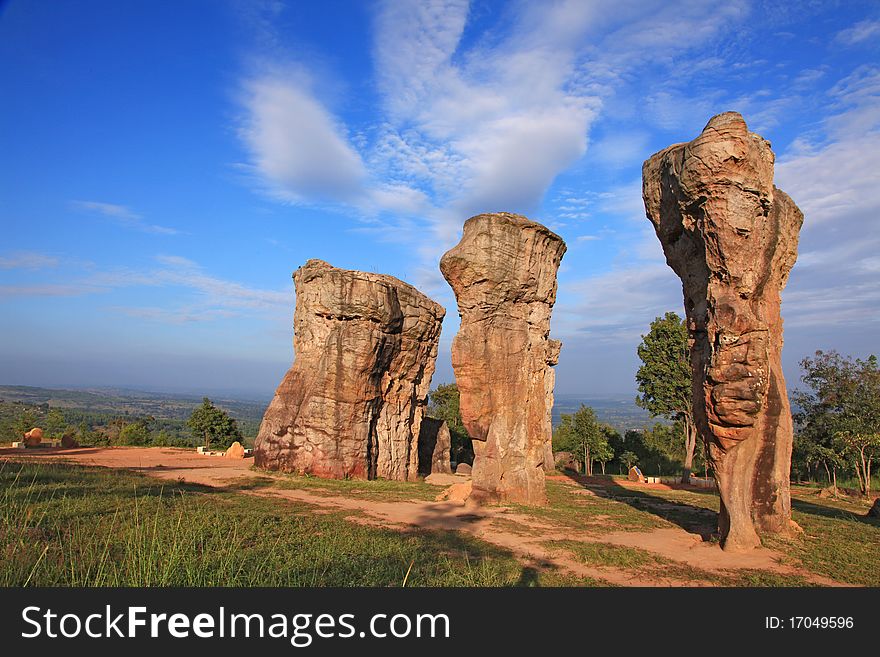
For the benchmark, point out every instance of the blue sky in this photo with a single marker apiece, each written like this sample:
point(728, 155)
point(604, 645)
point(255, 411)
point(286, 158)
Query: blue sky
point(166, 166)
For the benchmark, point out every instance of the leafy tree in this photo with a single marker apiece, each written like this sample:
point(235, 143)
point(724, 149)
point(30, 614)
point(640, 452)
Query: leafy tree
point(55, 423)
point(629, 459)
point(839, 415)
point(85, 435)
point(211, 423)
point(444, 404)
point(25, 421)
point(136, 433)
point(665, 380)
point(604, 450)
point(581, 434)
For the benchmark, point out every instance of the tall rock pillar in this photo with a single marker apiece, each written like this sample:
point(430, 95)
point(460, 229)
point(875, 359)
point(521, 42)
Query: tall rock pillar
point(352, 403)
point(503, 273)
point(731, 236)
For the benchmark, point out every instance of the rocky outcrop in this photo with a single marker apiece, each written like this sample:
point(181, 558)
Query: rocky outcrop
point(553, 349)
point(566, 461)
point(503, 273)
point(352, 403)
point(435, 443)
point(33, 438)
point(235, 451)
point(731, 236)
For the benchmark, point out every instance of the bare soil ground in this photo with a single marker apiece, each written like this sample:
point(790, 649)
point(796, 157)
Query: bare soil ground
point(675, 556)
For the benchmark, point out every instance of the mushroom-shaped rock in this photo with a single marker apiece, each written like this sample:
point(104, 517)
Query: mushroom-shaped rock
point(731, 236)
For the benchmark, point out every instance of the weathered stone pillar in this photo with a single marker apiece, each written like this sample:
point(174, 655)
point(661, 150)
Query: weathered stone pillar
point(352, 403)
point(503, 273)
point(731, 237)
point(435, 443)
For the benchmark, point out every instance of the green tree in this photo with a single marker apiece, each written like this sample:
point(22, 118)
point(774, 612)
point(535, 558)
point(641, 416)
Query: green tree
point(581, 434)
point(444, 404)
point(629, 459)
point(208, 423)
point(25, 421)
point(840, 413)
point(665, 380)
point(604, 450)
point(136, 433)
point(55, 423)
point(86, 435)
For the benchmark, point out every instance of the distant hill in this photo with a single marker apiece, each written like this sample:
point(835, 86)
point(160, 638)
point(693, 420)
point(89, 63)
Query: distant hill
point(129, 402)
point(620, 411)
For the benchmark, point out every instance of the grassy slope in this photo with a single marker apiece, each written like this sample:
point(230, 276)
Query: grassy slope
point(63, 525)
point(72, 525)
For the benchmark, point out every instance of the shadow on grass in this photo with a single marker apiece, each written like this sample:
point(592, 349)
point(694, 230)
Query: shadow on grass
point(832, 512)
point(693, 519)
point(65, 479)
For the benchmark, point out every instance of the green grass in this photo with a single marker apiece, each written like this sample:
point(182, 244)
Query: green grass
point(606, 554)
point(68, 525)
point(838, 540)
point(652, 567)
point(595, 513)
point(65, 525)
point(380, 490)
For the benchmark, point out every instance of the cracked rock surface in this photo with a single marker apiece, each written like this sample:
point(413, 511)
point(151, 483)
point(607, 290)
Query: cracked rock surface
point(503, 273)
point(353, 401)
point(731, 236)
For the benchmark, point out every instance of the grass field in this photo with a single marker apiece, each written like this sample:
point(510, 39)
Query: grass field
point(73, 525)
point(67, 525)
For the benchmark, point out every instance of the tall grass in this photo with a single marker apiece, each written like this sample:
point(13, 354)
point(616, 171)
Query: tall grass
point(64, 525)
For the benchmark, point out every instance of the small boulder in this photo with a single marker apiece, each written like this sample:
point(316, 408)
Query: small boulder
point(636, 475)
point(68, 441)
point(827, 492)
point(565, 461)
point(440, 479)
point(33, 437)
point(874, 511)
point(463, 469)
point(235, 451)
point(457, 493)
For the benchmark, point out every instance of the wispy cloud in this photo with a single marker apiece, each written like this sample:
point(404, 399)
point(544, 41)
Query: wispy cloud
point(47, 290)
point(209, 297)
point(617, 306)
point(123, 216)
point(27, 260)
point(861, 31)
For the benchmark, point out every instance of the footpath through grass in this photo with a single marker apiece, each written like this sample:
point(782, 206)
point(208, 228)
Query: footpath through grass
point(838, 541)
point(68, 525)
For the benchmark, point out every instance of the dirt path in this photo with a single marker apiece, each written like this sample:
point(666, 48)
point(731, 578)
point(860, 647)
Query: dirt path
point(521, 534)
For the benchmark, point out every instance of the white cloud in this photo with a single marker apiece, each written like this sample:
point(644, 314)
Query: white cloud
point(296, 145)
point(211, 297)
point(27, 260)
point(45, 290)
point(123, 216)
point(861, 31)
point(617, 306)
